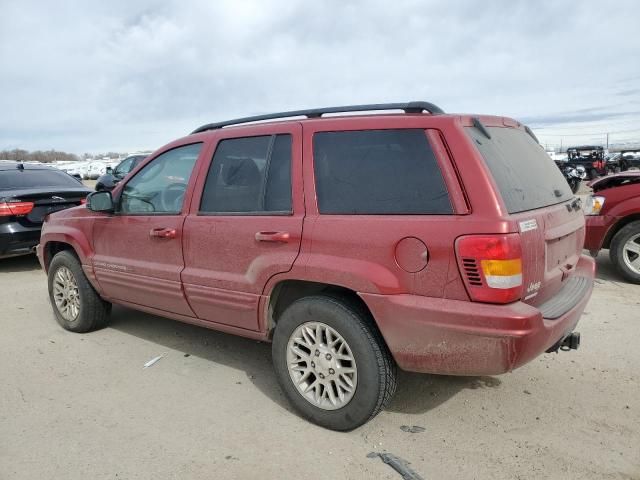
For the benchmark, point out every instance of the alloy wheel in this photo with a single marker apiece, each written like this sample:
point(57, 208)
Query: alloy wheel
point(631, 253)
point(321, 366)
point(65, 294)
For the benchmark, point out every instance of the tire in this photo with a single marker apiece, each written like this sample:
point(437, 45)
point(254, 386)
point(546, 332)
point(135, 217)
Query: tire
point(593, 174)
point(622, 252)
point(574, 185)
point(90, 312)
point(375, 378)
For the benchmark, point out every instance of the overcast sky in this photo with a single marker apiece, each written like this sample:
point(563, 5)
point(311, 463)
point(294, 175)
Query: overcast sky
point(134, 74)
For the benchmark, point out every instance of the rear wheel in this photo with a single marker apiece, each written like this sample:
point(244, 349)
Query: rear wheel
point(331, 363)
point(76, 305)
point(625, 251)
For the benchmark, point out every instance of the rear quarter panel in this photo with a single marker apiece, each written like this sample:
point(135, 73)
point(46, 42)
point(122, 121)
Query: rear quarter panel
point(358, 251)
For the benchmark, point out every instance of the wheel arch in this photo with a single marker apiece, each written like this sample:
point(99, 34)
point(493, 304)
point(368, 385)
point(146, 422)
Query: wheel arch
point(285, 292)
point(619, 225)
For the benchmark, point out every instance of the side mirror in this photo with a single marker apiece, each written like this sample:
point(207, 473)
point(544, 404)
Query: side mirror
point(109, 171)
point(100, 202)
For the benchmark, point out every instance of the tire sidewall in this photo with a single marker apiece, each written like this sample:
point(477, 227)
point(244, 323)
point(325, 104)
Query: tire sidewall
point(346, 322)
point(617, 250)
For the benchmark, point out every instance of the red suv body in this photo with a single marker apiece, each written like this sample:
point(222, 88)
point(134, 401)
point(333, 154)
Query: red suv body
point(613, 221)
point(453, 239)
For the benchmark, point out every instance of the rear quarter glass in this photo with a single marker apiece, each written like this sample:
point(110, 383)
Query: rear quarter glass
point(525, 175)
point(378, 172)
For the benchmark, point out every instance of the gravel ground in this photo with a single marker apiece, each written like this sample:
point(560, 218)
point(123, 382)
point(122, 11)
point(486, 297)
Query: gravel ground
point(82, 407)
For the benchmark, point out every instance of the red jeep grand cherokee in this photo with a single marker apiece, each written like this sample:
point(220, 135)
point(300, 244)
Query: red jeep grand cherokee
point(437, 243)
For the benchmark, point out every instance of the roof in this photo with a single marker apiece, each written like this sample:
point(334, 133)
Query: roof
point(587, 147)
point(13, 165)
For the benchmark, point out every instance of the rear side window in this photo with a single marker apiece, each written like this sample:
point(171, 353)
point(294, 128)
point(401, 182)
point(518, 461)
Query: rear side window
point(249, 175)
point(383, 172)
point(27, 178)
point(526, 176)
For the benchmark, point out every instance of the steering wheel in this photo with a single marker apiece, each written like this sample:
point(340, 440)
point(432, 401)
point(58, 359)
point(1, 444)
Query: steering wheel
point(171, 197)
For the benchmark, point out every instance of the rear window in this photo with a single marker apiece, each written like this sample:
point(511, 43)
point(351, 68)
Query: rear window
point(526, 176)
point(18, 179)
point(383, 172)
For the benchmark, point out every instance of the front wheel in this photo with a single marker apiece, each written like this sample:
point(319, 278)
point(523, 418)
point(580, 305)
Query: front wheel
point(76, 305)
point(625, 251)
point(332, 363)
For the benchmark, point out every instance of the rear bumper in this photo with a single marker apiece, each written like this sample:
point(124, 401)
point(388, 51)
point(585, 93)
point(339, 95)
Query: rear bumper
point(17, 240)
point(453, 337)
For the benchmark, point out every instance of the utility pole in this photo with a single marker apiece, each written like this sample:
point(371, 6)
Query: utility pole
point(607, 140)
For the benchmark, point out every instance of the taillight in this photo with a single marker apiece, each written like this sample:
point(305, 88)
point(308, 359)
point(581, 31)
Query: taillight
point(15, 208)
point(491, 266)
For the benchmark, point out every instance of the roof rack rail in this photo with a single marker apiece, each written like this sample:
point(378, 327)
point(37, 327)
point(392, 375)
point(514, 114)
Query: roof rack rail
point(409, 107)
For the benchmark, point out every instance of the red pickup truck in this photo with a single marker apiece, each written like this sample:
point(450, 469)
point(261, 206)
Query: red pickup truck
point(435, 243)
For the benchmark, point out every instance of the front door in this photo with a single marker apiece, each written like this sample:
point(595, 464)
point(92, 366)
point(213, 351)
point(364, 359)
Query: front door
point(247, 225)
point(138, 251)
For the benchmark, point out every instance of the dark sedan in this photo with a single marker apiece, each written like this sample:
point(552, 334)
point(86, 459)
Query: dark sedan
point(109, 180)
point(28, 193)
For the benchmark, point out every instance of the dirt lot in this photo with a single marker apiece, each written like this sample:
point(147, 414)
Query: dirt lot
point(82, 407)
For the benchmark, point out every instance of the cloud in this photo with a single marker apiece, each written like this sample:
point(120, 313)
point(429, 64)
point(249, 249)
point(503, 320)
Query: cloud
point(123, 75)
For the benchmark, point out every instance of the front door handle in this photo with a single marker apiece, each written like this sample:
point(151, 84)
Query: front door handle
point(162, 233)
point(273, 237)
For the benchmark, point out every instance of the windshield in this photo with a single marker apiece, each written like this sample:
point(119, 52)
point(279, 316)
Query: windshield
point(19, 179)
point(525, 175)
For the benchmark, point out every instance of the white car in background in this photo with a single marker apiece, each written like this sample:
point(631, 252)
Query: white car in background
point(95, 169)
point(75, 169)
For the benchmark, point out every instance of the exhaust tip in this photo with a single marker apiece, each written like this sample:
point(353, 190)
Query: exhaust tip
point(570, 342)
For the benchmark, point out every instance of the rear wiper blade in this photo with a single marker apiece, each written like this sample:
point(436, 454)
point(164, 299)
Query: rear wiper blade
point(531, 134)
point(478, 124)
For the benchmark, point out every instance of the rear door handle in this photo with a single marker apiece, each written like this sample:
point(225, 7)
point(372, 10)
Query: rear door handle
point(162, 233)
point(273, 237)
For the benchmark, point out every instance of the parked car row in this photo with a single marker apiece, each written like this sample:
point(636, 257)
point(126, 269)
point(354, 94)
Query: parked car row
point(623, 161)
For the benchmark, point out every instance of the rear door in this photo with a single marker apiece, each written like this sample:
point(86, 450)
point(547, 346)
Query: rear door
point(538, 198)
point(138, 250)
point(245, 225)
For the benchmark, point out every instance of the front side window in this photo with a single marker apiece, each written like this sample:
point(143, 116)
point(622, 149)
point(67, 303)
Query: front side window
point(159, 188)
point(386, 172)
point(249, 175)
